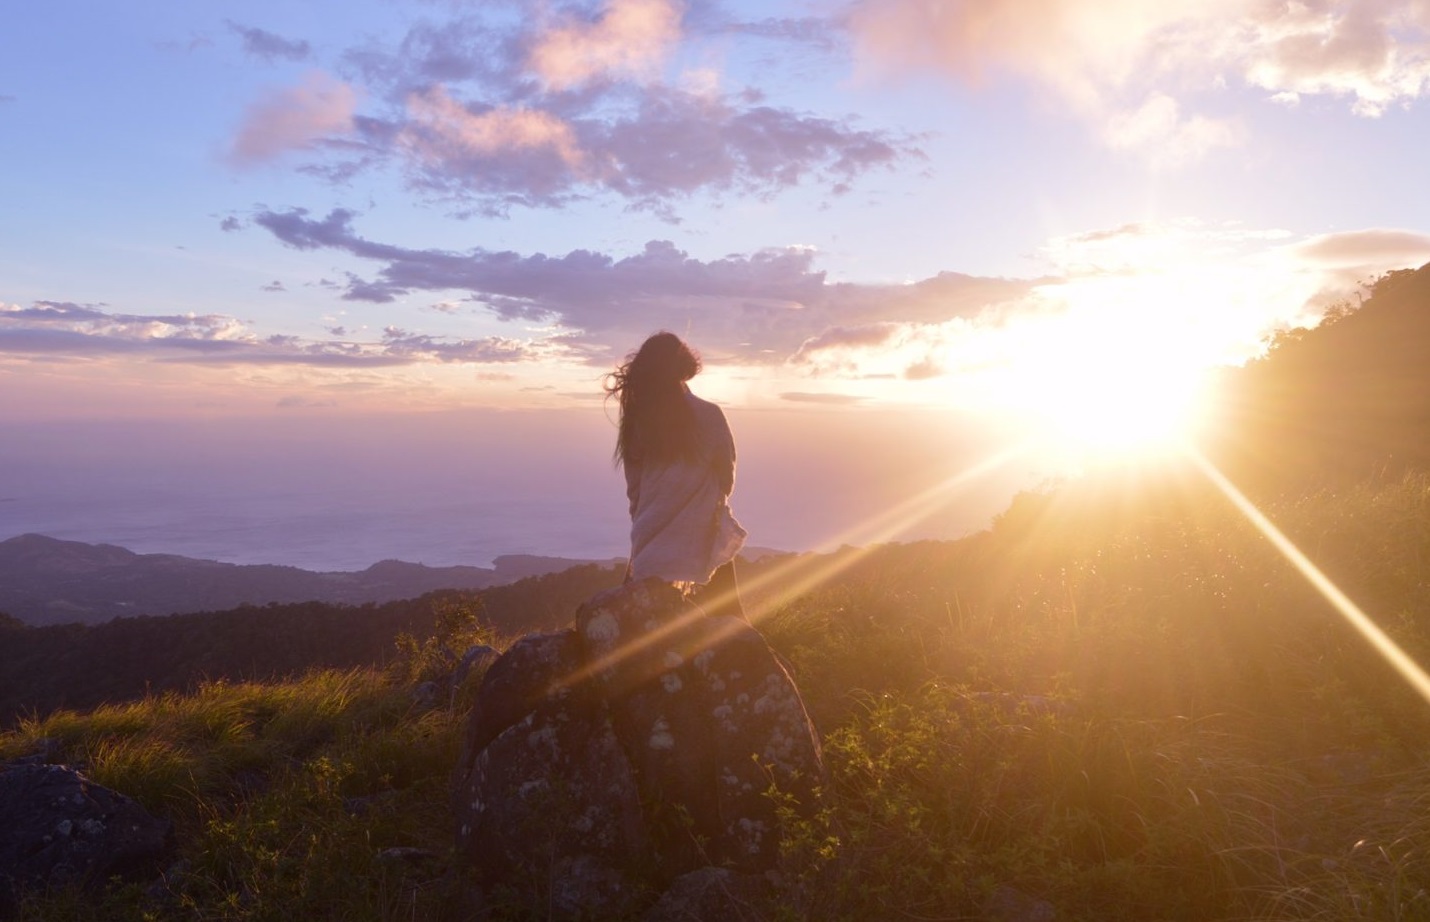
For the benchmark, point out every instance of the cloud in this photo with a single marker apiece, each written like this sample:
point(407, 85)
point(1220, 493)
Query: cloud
point(908, 349)
point(879, 334)
point(1381, 248)
point(68, 330)
point(484, 115)
point(773, 297)
point(673, 144)
point(1375, 51)
point(508, 154)
point(1344, 263)
point(1098, 55)
point(60, 319)
point(630, 38)
point(270, 47)
point(1080, 48)
point(815, 32)
point(840, 400)
point(297, 401)
point(828, 399)
point(294, 118)
point(194, 42)
point(1159, 130)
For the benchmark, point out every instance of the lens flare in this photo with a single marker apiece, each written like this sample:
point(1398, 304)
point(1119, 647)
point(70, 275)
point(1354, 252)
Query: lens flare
point(1398, 658)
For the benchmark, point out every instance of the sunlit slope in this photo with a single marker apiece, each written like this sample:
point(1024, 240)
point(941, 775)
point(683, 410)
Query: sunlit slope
point(1346, 400)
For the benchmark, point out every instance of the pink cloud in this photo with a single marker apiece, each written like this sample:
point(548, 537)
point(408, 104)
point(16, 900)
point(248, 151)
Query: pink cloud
point(295, 118)
point(1375, 51)
point(1132, 66)
point(674, 143)
point(490, 116)
point(444, 130)
point(1380, 249)
point(630, 39)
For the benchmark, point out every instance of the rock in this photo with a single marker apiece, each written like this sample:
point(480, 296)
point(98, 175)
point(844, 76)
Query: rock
point(406, 854)
point(604, 763)
point(550, 806)
point(424, 696)
point(637, 645)
point(58, 828)
point(47, 750)
point(534, 669)
point(1009, 904)
point(472, 660)
point(710, 894)
point(707, 715)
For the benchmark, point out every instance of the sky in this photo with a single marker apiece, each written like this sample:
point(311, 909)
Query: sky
point(340, 240)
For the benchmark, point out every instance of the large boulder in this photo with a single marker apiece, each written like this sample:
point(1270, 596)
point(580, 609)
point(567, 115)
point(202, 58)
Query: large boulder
point(545, 799)
point(604, 762)
point(57, 828)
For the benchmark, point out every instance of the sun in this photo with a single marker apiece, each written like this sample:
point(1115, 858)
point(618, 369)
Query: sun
point(1113, 407)
point(1093, 392)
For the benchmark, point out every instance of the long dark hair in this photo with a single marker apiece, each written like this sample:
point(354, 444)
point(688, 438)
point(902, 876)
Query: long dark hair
point(657, 424)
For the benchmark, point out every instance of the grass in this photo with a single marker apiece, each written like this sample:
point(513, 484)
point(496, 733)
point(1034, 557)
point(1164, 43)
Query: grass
point(283, 795)
point(1127, 711)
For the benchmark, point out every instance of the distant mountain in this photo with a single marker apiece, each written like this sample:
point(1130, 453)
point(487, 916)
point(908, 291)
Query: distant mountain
point(45, 580)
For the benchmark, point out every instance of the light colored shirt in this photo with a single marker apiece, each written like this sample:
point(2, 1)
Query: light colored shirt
point(681, 526)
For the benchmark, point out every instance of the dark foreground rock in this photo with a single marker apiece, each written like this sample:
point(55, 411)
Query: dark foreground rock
point(57, 828)
point(631, 757)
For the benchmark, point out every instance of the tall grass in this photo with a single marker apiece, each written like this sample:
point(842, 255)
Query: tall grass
point(283, 795)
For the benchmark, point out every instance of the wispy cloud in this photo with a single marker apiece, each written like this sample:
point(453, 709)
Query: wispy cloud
point(1103, 57)
point(270, 47)
point(828, 399)
point(66, 330)
point(294, 118)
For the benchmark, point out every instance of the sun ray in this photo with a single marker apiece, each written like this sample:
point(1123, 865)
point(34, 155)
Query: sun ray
point(1401, 661)
point(802, 573)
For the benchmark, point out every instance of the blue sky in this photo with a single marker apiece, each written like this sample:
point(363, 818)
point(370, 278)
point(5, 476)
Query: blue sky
point(344, 209)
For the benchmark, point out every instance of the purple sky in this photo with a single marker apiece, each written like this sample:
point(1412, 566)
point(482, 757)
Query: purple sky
point(897, 230)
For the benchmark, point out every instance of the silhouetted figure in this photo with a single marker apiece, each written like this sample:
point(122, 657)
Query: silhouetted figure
point(679, 461)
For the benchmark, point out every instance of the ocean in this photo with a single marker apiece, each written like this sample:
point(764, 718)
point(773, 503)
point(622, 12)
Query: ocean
point(326, 532)
point(464, 488)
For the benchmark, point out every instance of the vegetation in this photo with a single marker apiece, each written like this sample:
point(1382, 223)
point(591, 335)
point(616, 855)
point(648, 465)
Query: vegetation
point(80, 666)
point(1339, 403)
point(1127, 711)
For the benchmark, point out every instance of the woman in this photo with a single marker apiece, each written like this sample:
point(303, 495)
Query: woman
point(679, 461)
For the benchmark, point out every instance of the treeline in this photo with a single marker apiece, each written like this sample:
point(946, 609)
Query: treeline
point(1339, 403)
point(79, 666)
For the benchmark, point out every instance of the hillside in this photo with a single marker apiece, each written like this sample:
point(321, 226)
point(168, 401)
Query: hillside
point(48, 581)
point(82, 666)
point(1346, 400)
point(1119, 702)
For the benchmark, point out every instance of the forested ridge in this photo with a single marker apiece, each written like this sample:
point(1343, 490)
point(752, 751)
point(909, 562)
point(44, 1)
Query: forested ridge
point(1335, 404)
point(80, 666)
